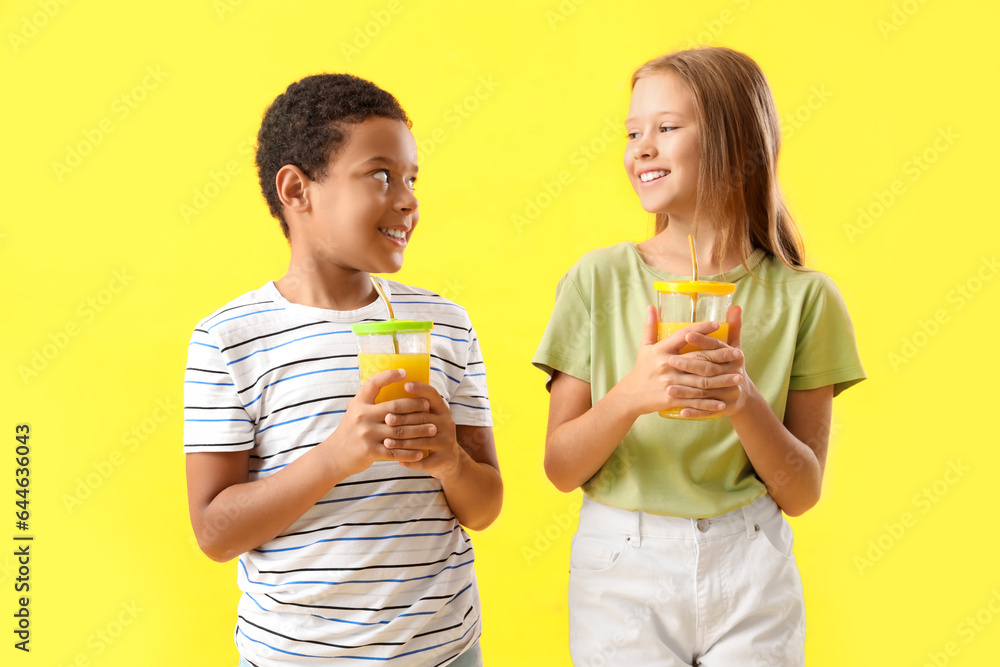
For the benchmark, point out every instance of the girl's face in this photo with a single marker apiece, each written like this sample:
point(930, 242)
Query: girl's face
point(661, 157)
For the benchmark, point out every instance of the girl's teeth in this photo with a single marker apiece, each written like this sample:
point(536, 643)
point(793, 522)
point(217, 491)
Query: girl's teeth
point(650, 175)
point(394, 233)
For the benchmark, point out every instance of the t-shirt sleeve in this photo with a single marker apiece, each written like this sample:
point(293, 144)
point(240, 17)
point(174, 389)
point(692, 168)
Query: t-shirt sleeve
point(470, 404)
point(826, 351)
point(566, 345)
point(214, 417)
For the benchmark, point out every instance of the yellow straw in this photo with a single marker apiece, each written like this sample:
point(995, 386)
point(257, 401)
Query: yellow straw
point(385, 299)
point(694, 259)
point(694, 278)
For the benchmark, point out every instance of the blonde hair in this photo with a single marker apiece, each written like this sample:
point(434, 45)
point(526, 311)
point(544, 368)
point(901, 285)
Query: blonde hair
point(739, 138)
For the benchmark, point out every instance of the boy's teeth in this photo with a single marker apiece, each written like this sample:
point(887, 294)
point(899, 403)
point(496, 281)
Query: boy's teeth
point(650, 175)
point(394, 233)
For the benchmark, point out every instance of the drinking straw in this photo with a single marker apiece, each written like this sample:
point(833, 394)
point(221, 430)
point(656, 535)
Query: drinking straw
point(385, 299)
point(694, 278)
point(388, 306)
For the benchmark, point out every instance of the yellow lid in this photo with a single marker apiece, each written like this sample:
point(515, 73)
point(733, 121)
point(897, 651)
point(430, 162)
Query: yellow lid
point(694, 287)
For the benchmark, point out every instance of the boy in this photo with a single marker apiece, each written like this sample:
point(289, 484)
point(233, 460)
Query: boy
point(346, 515)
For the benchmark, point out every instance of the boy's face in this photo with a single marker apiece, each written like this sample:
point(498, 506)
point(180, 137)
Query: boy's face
point(364, 211)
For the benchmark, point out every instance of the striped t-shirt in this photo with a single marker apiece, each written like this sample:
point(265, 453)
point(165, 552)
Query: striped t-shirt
point(379, 569)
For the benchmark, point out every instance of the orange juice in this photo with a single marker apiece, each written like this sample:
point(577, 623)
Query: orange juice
point(664, 329)
point(416, 365)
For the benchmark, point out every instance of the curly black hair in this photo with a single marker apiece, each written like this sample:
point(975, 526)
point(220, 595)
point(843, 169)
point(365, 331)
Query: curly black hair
point(304, 127)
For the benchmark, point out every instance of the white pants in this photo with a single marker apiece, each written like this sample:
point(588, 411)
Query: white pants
point(650, 590)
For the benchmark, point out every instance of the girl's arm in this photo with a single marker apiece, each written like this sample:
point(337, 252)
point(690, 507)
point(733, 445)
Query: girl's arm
point(582, 436)
point(790, 456)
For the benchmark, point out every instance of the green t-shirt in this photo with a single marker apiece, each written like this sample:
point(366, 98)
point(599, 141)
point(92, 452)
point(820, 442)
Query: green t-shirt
point(796, 335)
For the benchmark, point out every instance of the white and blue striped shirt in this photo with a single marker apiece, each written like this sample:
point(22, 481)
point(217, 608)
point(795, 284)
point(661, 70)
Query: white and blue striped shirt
point(379, 569)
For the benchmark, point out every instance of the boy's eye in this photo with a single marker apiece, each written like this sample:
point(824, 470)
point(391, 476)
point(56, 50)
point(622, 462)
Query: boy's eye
point(382, 175)
point(411, 182)
point(633, 135)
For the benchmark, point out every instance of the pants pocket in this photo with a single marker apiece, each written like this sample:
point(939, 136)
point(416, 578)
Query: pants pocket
point(595, 550)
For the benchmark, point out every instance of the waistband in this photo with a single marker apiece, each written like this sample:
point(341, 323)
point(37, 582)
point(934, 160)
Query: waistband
point(637, 524)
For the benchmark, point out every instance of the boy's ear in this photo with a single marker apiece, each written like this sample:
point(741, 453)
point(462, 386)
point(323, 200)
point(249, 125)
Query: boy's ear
point(292, 185)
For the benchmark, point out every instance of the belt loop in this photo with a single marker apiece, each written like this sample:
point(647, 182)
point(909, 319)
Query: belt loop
point(635, 530)
point(751, 526)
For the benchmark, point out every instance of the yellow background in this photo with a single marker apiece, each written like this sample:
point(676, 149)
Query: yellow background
point(105, 274)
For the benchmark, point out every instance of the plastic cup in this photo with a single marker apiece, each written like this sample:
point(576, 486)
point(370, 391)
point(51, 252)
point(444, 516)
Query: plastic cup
point(404, 344)
point(684, 302)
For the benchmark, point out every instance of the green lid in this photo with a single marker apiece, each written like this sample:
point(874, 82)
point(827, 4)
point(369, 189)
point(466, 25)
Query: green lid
point(391, 326)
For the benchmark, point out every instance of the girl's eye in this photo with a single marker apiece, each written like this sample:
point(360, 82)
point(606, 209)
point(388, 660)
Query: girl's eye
point(382, 175)
point(633, 135)
point(667, 128)
point(411, 182)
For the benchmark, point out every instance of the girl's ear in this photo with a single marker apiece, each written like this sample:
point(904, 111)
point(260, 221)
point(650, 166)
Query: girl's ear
point(293, 191)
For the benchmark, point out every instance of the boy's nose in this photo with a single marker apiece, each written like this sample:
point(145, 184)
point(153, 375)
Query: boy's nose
point(407, 201)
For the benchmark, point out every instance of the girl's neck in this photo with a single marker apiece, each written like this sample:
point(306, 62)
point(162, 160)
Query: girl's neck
point(668, 251)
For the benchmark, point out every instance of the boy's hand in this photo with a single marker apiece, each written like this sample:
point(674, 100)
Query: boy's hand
point(360, 438)
point(648, 384)
point(715, 360)
point(442, 455)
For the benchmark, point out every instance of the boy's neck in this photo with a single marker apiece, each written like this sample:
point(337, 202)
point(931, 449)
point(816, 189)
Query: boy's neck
point(325, 286)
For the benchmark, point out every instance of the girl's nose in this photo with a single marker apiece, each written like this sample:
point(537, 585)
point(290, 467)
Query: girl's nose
point(644, 148)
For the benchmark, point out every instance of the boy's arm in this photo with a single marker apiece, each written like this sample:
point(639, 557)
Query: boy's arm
point(231, 515)
point(462, 457)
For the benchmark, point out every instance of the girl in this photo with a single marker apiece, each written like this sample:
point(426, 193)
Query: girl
point(683, 556)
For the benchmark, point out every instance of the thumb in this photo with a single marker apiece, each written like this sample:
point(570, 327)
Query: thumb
point(370, 389)
point(735, 319)
point(649, 328)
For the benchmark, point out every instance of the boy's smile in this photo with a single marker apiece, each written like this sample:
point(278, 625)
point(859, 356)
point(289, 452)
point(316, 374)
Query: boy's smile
point(361, 215)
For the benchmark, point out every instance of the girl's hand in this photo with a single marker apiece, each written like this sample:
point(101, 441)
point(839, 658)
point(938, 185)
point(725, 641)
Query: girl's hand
point(439, 452)
point(703, 369)
point(648, 386)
